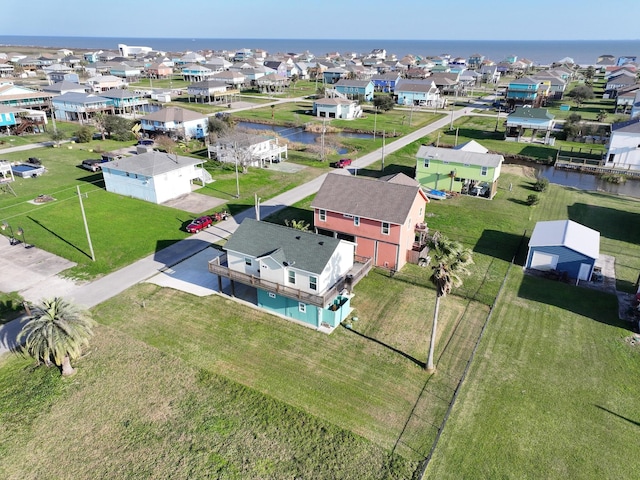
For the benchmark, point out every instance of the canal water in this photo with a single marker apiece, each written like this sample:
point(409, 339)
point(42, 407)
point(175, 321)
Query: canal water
point(583, 181)
point(299, 135)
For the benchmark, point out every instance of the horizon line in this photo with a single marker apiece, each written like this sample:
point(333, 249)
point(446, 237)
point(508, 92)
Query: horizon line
point(340, 39)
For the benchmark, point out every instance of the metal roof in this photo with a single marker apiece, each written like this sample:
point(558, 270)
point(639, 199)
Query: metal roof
point(151, 164)
point(460, 156)
point(566, 233)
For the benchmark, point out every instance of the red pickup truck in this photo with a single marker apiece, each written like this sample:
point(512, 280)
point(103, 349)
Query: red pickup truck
point(343, 162)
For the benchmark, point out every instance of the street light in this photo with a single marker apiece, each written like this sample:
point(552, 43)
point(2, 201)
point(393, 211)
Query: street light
point(20, 232)
point(4, 226)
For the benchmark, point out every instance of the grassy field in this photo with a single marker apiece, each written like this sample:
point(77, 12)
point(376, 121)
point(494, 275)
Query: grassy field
point(207, 385)
point(552, 392)
point(115, 222)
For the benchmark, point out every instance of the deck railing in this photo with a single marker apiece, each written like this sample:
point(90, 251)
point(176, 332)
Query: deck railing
point(360, 268)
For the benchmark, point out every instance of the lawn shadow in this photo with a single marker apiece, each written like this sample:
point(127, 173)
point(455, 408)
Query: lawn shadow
point(501, 245)
point(518, 201)
point(167, 251)
point(41, 225)
point(599, 306)
point(291, 213)
point(393, 349)
point(612, 223)
point(95, 179)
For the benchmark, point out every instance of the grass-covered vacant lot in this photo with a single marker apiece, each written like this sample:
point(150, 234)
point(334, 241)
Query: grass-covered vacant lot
point(183, 386)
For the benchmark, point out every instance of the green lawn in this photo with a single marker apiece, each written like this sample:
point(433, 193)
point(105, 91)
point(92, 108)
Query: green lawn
point(120, 229)
point(552, 393)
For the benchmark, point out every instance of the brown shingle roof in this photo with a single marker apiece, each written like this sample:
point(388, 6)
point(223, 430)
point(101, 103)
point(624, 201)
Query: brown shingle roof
point(366, 198)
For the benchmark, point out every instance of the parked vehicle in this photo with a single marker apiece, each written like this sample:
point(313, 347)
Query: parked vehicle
point(92, 165)
point(147, 142)
point(343, 162)
point(219, 216)
point(199, 223)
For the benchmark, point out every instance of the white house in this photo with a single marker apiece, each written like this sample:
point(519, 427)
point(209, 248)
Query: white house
point(337, 108)
point(175, 121)
point(624, 145)
point(248, 150)
point(155, 176)
point(298, 275)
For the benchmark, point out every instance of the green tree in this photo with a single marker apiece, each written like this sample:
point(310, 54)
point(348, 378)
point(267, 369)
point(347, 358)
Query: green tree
point(217, 128)
point(118, 128)
point(581, 93)
point(100, 120)
point(383, 103)
point(56, 331)
point(449, 264)
point(57, 136)
point(84, 134)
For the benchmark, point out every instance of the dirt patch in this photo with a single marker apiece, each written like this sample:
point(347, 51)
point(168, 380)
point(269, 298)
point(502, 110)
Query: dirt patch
point(520, 170)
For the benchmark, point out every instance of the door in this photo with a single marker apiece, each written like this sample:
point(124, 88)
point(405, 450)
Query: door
point(544, 261)
point(585, 272)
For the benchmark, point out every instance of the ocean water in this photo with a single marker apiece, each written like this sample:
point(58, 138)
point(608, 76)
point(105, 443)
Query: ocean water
point(583, 52)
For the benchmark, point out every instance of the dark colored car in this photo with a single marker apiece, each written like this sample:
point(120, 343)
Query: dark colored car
point(146, 142)
point(199, 223)
point(343, 162)
point(92, 165)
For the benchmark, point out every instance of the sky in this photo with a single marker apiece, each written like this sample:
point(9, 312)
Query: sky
point(326, 19)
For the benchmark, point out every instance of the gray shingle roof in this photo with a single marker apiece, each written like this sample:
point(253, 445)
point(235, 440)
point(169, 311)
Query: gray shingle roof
point(460, 156)
point(174, 114)
point(630, 126)
point(538, 113)
point(309, 251)
point(367, 198)
point(151, 163)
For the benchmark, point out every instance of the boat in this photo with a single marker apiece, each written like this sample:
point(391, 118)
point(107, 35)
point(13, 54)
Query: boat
point(435, 194)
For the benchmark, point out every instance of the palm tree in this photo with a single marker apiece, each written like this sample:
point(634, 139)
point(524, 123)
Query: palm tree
point(450, 261)
point(297, 225)
point(56, 331)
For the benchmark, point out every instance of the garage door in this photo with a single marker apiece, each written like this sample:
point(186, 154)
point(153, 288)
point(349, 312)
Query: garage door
point(544, 261)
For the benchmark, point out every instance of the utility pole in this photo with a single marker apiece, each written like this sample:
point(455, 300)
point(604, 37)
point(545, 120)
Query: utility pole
point(257, 206)
point(237, 178)
point(375, 122)
point(383, 141)
point(86, 226)
point(324, 129)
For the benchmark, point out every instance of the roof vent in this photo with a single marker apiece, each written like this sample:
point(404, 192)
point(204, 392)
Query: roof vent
point(321, 243)
point(297, 237)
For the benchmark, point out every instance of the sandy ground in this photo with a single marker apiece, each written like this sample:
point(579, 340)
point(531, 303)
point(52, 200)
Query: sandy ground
point(521, 170)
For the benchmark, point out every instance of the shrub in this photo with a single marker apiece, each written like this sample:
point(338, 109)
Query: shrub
point(541, 184)
point(84, 134)
point(533, 199)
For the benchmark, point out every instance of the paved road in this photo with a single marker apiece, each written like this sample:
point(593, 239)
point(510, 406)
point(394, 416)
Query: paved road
point(93, 293)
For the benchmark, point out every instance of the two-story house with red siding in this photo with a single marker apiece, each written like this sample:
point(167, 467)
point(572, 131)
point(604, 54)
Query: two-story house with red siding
point(383, 217)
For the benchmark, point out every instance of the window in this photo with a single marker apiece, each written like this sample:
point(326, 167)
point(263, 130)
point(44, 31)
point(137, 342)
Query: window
point(247, 261)
point(356, 221)
point(313, 283)
point(426, 163)
point(483, 171)
point(322, 215)
point(302, 307)
point(292, 277)
point(385, 228)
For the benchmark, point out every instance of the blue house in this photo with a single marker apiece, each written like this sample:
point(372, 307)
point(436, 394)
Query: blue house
point(7, 117)
point(564, 246)
point(385, 82)
point(297, 275)
point(355, 89)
